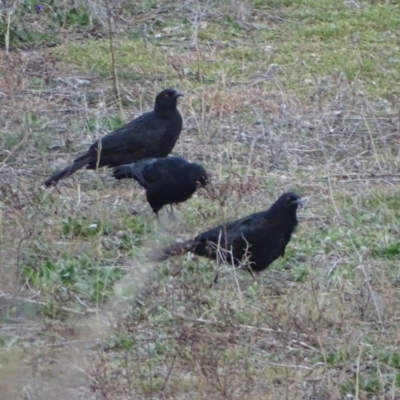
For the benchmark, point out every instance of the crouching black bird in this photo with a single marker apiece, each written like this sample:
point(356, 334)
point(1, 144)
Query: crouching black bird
point(168, 180)
point(153, 134)
point(252, 242)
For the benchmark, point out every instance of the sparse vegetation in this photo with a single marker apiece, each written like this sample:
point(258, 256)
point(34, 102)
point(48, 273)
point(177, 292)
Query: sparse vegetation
point(296, 95)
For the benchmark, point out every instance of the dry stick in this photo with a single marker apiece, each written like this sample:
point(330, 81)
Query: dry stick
point(150, 366)
point(359, 176)
point(7, 35)
point(42, 303)
point(18, 145)
point(358, 374)
point(99, 147)
point(168, 374)
point(331, 189)
point(315, 295)
point(9, 11)
point(1, 232)
point(113, 69)
point(253, 143)
point(372, 141)
point(296, 366)
point(362, 267)
point(245, 327)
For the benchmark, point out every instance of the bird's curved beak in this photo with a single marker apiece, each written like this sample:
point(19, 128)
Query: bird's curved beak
point(298, 202)
point(178, 94)
point(202, 185)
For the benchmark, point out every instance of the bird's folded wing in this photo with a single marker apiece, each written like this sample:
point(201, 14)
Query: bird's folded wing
point(139, 133)
point(159, 171)
point(138, 170)
point(228, 233)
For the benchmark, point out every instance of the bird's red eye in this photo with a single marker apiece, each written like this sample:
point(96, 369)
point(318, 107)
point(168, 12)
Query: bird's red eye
point(166, 96)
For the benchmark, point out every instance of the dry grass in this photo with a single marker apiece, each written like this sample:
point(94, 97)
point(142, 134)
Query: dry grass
point(84, 316)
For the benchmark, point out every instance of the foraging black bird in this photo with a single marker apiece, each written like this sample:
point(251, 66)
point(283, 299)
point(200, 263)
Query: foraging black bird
point(153, 134)
point(168, 180)
point(254, 241)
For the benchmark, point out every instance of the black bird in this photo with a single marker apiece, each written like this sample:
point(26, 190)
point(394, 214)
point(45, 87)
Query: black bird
point(168, 180)
point(153, 134)
point(252, 242)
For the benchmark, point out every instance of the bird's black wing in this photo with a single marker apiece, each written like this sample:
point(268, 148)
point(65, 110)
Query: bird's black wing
point(164, 169)
point(138, 134)
point(227, 234)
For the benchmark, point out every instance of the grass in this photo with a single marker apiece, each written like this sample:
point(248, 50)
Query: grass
point(280, 95)
point(338, 43)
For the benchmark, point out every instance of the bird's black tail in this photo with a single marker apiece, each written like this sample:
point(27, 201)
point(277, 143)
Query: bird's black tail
point(124, 172)
point(77, 164)
point(134, 170)
point(172, 251)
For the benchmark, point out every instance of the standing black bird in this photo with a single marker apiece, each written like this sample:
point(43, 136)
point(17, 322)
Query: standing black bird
point(153, 134)
point(253, 242)
point(168, 180)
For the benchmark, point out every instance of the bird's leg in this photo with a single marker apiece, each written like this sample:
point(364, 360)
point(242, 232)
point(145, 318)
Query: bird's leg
point(159, 222)
point(171, 212)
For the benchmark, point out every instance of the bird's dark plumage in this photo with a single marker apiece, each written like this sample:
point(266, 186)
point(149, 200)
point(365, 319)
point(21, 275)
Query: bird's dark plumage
point(168, 180)
point(153, 134)
point(256, 240)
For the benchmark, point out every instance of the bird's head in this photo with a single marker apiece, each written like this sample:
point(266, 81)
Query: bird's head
point(290, 201)
point(167, 99)
point(198, 175)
